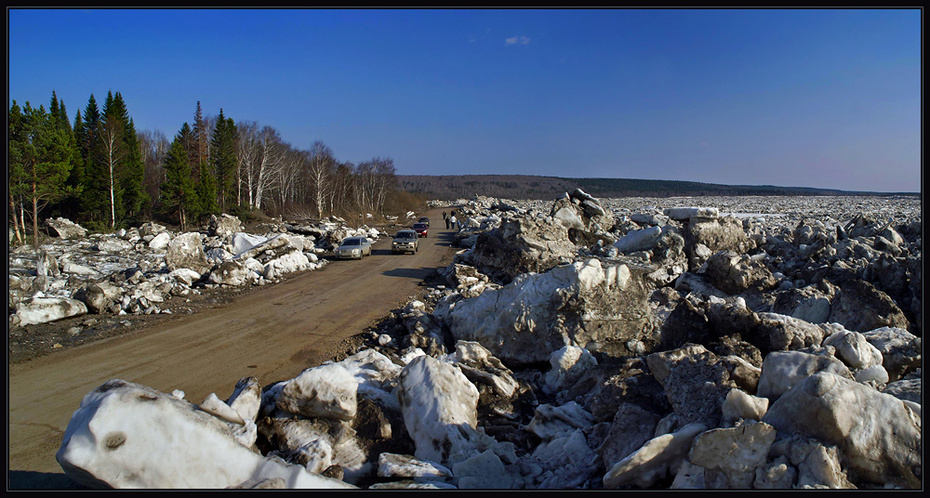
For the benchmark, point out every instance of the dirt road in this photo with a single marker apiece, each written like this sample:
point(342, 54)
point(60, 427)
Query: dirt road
point(271, 334)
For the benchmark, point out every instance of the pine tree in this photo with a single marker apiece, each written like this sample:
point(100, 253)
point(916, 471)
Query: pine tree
point(53, 109)
point(132, 169)
point(199, 152)
point(70, 205)
point(224, 158)
point(206, 192)
point(94, 199)
point(16, 169)
point(76, 179)
point(40, 149)
point(177, 191)
point(62, 113)
point(135, 197)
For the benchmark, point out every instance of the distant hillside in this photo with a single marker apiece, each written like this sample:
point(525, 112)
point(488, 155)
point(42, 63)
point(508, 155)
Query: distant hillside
point(448, 187)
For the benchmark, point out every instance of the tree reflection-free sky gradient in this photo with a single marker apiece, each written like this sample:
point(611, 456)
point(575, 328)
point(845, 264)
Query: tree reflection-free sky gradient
point(791, 97)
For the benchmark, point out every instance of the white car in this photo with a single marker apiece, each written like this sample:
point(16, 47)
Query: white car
point(353, 248)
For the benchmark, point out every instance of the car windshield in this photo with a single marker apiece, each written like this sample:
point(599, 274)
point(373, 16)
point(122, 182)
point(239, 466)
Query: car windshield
point(405, 235)
point(351, 242)
point(419, 225)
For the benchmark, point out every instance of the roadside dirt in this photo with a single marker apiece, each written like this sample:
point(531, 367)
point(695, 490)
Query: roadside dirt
point(271, 333)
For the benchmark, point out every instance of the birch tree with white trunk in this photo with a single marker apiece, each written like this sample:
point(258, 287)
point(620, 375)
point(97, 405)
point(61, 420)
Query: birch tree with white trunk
point(260, 153)
point(320, 172)
point(270, 164)
point(111, 133)
point(247, 149)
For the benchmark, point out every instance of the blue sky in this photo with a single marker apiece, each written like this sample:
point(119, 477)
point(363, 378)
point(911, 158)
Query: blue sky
point(791, 97)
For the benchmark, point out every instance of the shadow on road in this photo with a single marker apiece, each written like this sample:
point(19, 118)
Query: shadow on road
point(415, 273)
point(446, 237)
point(22, 479)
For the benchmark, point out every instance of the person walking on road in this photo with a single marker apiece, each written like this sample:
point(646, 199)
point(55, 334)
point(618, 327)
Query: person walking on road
point(445, 218)
point(452, 221)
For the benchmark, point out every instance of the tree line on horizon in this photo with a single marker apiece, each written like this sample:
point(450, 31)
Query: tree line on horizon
point(99, 171)
point(523, 186)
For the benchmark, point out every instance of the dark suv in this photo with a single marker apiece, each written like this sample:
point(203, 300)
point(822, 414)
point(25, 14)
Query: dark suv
point(405, 241)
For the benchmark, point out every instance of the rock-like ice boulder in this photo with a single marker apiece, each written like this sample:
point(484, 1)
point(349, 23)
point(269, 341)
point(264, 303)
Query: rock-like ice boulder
point(66, 228)
point(853, 348)
point(276, 246)
point(776, 331)
point(482, 471)
point(94, 297)
point(687, 213)
point(185, 276)
point(879, 434)
point(861, 307)
point(39, 309)
point(782, 370)
point(707, 236)
point(567, 461)
point(287, 263)
point(734, 273)
point(327, 391)
point(900, 349)
point(233, 273)
point(522, 245)
point(654, 459)
point(739, 405)
point(160, 242)
point(551, 422)
point(439, 405)
point(639, 240)
point(632, 426)
point(818, 464)
point(125, 435)
point(599, 307)
point(186, 251)
point(731, 456)
point(224, 225)
point(568, 363)
point(807, 303)
point(242, 242)
point(395, 465)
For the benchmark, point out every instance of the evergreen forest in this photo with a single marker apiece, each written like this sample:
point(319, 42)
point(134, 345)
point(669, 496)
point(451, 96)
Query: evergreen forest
point(98, 170)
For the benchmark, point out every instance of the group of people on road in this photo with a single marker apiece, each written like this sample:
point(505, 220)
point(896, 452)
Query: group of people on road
point(451, 220)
